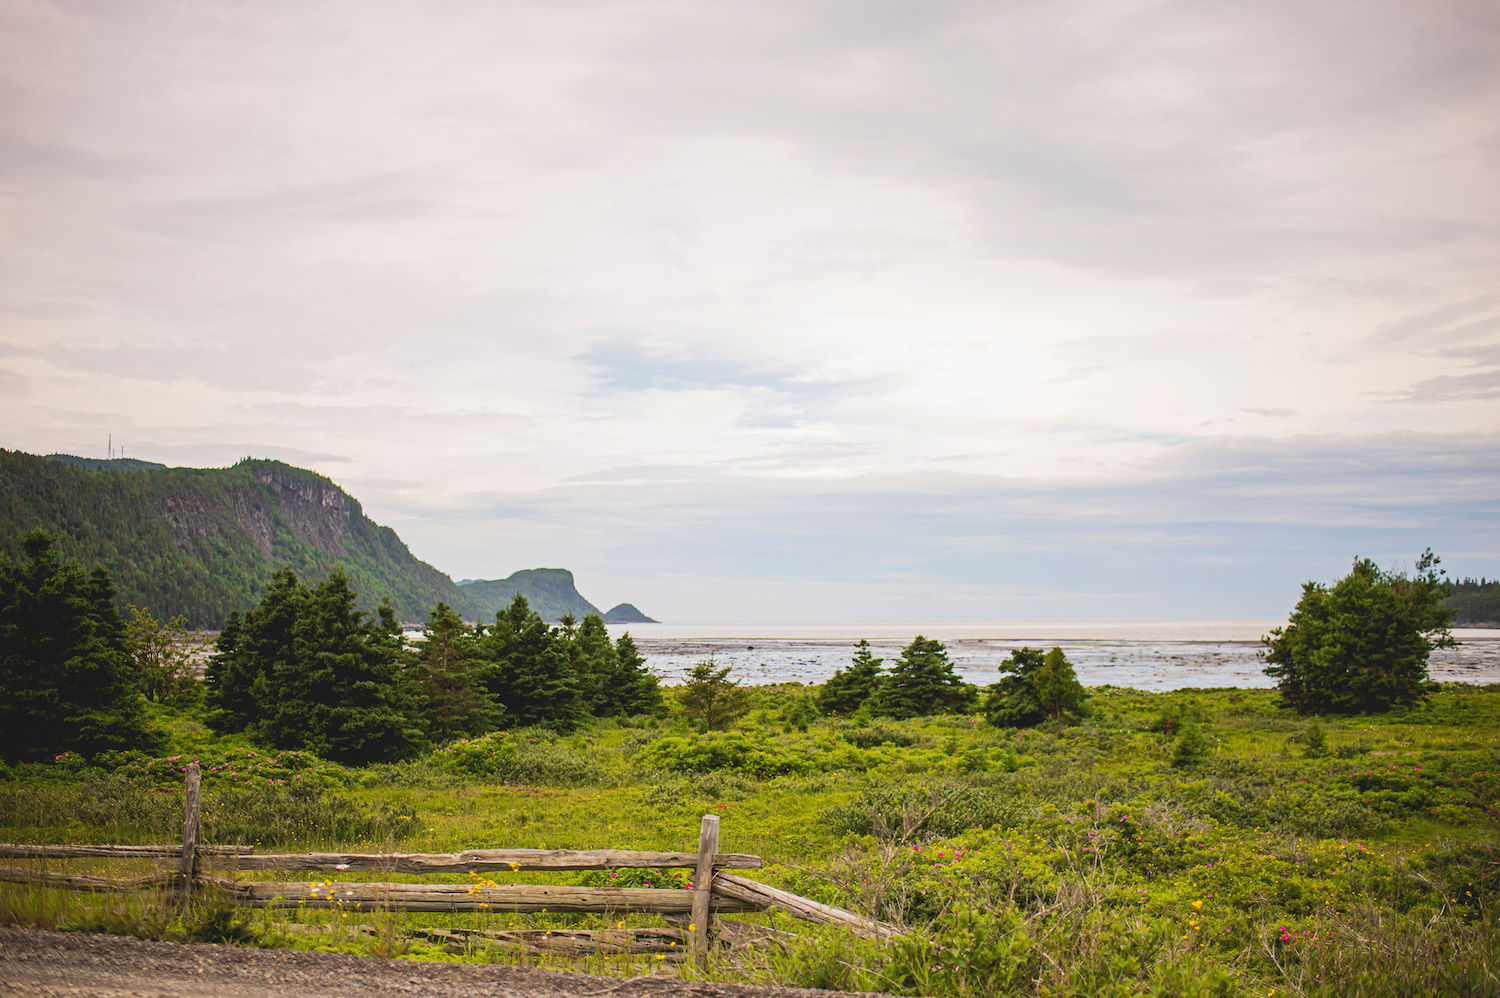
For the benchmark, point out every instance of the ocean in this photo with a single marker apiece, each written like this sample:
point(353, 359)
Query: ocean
point(1140, 654)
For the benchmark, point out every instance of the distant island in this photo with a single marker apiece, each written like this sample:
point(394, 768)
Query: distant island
point(626, 613)
point(203, 542)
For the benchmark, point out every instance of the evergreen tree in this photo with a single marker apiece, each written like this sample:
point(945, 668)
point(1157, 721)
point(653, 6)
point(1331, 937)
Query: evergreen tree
point(67, 679)
point(850, 687)
point(447, 678)
point(1036, 685)
point(530, 673)
point(594, 663)
point(922, 682)
point(254, 655)
point(636, 689)
point(304, 669)
point(711, 698)
point(1362, 644)
point(342, 697)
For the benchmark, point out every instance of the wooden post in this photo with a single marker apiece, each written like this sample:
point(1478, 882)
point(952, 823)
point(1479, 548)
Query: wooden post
point(189, 867)
point(703, 888)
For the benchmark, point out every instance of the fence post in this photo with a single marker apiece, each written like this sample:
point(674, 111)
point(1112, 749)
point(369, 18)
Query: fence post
point(189, 867)
point(703, 888)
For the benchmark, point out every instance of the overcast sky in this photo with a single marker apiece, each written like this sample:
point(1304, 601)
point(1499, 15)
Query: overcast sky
point(785, 309)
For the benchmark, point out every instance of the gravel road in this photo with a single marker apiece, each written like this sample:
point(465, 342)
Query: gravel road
point(86, 965)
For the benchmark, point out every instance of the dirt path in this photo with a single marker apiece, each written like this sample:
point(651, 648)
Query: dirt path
point(84, 965)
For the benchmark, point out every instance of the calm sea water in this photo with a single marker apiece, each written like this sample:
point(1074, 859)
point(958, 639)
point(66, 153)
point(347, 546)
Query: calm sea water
point(1142, 654)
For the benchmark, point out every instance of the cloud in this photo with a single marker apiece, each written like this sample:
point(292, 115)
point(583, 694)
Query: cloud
point(967, 299)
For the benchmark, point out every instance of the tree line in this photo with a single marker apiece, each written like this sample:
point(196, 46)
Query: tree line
point(306, 669)
point(303, 669)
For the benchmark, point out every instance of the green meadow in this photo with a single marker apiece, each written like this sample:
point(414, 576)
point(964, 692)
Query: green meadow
point(1197, 842)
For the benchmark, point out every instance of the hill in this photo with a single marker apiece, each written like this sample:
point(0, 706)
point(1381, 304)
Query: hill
point(550, 591)
point(204, 541)
point(626, 613)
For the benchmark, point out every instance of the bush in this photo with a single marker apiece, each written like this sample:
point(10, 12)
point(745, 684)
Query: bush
point(533, 757)
point(733, 751)
point(949, 807)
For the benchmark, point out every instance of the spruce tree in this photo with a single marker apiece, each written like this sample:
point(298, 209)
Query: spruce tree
point(342, 697)
point(848, 688)
point(594, 664)
point(447, 678)
point(67, 679)
point(255, 656)
point(922, 682)
point(637, 690)
point(1033, 687)
point(530, 674)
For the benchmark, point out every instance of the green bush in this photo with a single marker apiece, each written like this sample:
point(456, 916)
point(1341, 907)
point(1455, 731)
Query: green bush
point(531, 757)
point(943, 808)
point(757, 756)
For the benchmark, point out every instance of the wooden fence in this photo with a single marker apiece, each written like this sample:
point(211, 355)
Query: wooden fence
point(714, 890)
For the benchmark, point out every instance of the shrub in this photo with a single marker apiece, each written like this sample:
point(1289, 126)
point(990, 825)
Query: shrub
point(733, 751)
point(532, 756)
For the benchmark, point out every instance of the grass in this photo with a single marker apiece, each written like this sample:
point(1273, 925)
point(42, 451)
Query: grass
point(1342, 856)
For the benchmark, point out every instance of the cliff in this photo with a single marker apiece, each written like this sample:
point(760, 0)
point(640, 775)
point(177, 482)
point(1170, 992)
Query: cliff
point(203, 542)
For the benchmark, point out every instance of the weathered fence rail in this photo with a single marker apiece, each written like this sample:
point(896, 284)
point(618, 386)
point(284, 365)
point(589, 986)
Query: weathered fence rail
point(714, 891)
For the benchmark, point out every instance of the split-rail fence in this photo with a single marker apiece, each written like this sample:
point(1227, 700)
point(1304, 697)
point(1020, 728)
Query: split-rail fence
point(714, 891)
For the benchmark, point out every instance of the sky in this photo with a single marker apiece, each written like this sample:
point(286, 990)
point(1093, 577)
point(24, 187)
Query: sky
point(785, 310)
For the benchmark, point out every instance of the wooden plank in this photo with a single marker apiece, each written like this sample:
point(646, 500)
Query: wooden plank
point(79, 882)
point(364, 896)
point(490, 860)
point(702, 910)
point(22, 850)
point(763, 896)
point(191, 825)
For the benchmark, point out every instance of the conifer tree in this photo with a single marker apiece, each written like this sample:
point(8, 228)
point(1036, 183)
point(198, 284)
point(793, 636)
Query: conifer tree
point(530, 673)
point(1033, 687)
point(594, 664)
point(922, 682)
point(254, 655)
point(342, 695)
point(710, 698)
point(447, 677)
point(850, 687)
point(636, 689)
point(67, 680)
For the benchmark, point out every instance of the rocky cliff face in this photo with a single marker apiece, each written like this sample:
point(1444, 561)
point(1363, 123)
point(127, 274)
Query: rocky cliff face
point(316, 511)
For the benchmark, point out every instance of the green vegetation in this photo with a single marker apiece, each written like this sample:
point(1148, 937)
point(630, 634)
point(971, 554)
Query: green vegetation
point(201, 542)
point(921, 682)
point(711, 699)
point(1036, 685)
point(1362, 644)
point(550, 591)
point(850, 688)
point(306, 670)
point(1475, 603)
point(68, 681)
point(1355, 857)
point(1198, 842)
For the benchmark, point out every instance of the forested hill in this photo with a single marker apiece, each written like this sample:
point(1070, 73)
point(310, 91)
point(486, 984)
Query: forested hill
point(1477, 602)
point(550, 591)
point(203, 542)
